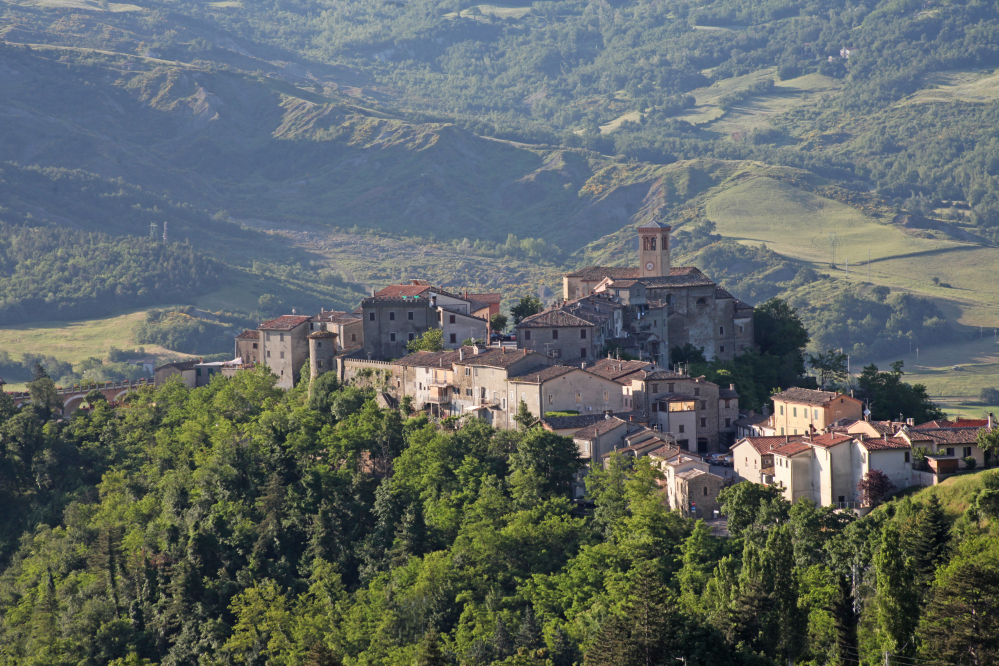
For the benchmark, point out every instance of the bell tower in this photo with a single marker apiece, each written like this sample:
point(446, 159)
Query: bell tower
point(653, 250)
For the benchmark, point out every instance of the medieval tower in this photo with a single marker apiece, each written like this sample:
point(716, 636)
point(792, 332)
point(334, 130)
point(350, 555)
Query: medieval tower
point(653, 250)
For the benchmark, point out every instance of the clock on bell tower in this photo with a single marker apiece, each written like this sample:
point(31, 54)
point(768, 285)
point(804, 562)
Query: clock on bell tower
point(653, 250)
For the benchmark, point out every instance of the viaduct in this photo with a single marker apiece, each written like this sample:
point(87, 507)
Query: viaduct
point(73, 396)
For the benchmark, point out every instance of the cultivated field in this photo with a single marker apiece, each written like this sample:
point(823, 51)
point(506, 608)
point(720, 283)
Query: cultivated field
point(808, 227)
point(74, 341)
point(962, 85)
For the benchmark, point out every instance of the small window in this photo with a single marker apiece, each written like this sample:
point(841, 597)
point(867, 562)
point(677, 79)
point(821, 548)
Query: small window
point(697, 391)
point(702, 301)
point(655, 388)
point(795, 410)
point(282, 354)
point(555, 334)
point(320, 364)
point(468, 392)
point(454, 338)
point(582, 334)
point(704, 404)
point(254, 345)
point(579, 397)
point(371, 316)
point(782, 412)
point(705, 489)
point(551, 398)
point(721, 330)
point(468, 372)
point(312, 326)
point(451, 319)
point(606, 396)
point(319, 344)
point(281, 337)
point(681, 428)
point(722, 349)
point(391, 337)
point(391, 316)
point(728, 404)
point(353, 337)
point(670, 387)
point(527, 335)
point(728, 423)
point(268, 353)
point(906, 456)
point(704, 423)
point(582, 353)
point(950, 451)
point(412, 336)
point(409, 315)
point(967, 452)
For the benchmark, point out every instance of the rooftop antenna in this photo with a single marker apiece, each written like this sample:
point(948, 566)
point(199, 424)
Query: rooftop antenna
point(152, 230)
point(165, 232)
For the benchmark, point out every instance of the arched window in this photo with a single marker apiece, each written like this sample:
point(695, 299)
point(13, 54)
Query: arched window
point(702, 301)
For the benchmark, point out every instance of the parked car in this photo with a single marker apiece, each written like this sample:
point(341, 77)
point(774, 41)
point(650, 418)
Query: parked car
point(511, 337)
point(495, 337)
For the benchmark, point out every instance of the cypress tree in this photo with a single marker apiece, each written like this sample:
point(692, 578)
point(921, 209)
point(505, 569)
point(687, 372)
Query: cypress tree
point(931, 542)
point(502, 645)
point(898, 599)
point(529, 636)
point(961, 625)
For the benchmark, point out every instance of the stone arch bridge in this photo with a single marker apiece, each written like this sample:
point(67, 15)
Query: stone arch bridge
point(74, 396)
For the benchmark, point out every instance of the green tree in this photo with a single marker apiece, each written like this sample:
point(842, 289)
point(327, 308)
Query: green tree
point(699, 558)
point(527, 306)
point(43, 392)
point(890, 397)
point(745, 504)
point(897, 601)
point(432, 340)
point(988, 440)
point(270, 304)
point(498, 322)
point(830, 365)
point(961, 623)
point(930, 543)
point(429, 652)
point(524, 418)
point(778, 331)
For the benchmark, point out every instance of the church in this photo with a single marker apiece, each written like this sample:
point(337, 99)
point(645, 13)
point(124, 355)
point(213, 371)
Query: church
point(697, 310)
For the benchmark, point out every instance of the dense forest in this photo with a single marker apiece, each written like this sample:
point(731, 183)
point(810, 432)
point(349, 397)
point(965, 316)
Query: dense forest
point(239, 524)
point(52, 273)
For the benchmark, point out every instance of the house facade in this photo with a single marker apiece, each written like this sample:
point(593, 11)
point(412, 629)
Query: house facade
point(284, 347)
point(800, 411)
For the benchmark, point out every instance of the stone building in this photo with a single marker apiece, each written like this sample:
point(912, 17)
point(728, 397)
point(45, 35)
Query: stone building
point(463, 381)
point(696, 310)
point(348, 327)
point(564, 388)
point(248, 347)
point(560, 334)
point(398, 314)
point(803, 411)
point(699, 414)
point(284, 347)
point(322, 352)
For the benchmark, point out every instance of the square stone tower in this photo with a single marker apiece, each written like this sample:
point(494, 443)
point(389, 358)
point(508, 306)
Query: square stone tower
point(653, 250)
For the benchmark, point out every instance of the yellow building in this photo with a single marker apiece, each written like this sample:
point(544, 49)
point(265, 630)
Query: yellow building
point(799, 411)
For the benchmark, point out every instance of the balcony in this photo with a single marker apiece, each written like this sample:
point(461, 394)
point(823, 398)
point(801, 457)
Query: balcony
point(438, 395)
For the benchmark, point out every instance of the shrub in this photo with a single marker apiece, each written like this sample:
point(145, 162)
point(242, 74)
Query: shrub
point(970, 462)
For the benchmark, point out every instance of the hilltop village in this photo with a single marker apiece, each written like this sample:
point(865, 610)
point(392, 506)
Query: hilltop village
point(564, 371)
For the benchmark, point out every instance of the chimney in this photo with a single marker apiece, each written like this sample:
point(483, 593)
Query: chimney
point(731, 387)
point(607, 415)
point(525, 351)
point(990, 420)
point(583, 367)
point(461, 354)
point(910, 422)
point(862, 437)
point(631, 418)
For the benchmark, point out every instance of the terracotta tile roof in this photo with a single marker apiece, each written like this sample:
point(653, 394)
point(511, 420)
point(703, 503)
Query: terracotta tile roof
point(664, 374)
point(765, 445)
point(249, 335)
point(428, 359)
point(741, 305)
point(591, 273)
point(491, 299)
point(947, 435)
point(577, 421)
point(887, 427)
point(680, 276)
point(598, 428)
point(611, 368)
point(624, 284)
point(808, 396)
point(884, 443)
point(553, 317)
point(666, 451)
point(399, 290)
point(541, 373)
point(180, 365)
point(496, 358)
point(689, 474)
point(476, 306)
point(829, 440)
point(284, 322)
point(751, 420)
point(792, 449)
point(959, 423)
